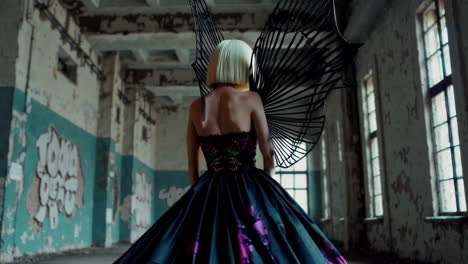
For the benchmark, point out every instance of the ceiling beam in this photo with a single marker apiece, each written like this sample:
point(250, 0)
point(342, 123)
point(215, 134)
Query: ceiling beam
point(149, 7)
point(169, 22)
point(160, 77)
point(210, 3)
point(171, 90)
point(141, 55)
point(183, 55)
point(91, 4)
point(157, 41)
point(153, 2)
point(175, 93)
point(156, 65)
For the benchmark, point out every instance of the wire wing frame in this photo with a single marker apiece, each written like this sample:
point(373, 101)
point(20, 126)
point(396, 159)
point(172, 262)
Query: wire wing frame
point(207, 37)
point(297, 60)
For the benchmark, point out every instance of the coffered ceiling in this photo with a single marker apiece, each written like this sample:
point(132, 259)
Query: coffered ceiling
point(158, 34)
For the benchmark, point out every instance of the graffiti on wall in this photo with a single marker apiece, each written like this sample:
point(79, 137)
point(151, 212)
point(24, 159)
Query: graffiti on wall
point(172, 194)
point(142, 199)
point(58, 185)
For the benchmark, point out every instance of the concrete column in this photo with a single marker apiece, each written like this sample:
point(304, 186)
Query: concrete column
point(11, 15)
point(353, 180)
point(315, 187)
point(104, 146)
point(126, 180)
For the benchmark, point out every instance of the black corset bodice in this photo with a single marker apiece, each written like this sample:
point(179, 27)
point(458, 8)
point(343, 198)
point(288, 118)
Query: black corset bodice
point(231, 152)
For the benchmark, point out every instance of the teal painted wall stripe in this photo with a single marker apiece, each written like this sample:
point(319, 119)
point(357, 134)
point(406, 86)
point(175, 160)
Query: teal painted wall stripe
point(164, 180)
point(315, 196)
point(125, 191)
point(71, 230)
point(100, 190)
point(83, 227)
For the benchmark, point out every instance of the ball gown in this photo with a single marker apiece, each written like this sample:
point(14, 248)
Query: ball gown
point(234, 213)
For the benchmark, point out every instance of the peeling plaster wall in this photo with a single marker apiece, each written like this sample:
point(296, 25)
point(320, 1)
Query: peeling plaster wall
point(172, 118)
point(70, 173)
point(50, 115)
point(144, 149)
point(78, 103)
point(391, 51)
point(51, 139)
point(125, 199)
point(9, 26)
point(44, 195)
point(335, 227)
point(344, 225)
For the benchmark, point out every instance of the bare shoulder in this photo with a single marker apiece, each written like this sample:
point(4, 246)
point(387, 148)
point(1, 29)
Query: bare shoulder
point(252, 95)
point(254, 98)
point(195, 106)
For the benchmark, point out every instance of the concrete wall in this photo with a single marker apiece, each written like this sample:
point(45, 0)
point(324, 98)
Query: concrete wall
point(344, 226)
point(408, 228)
point(51, 140)
point(71, 175)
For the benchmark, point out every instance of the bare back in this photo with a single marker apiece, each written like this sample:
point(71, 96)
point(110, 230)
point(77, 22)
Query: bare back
point(224, 110)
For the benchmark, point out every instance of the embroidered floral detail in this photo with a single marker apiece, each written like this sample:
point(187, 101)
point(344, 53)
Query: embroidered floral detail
point(259, 226)
point(230, 152)
point(216, 164)
point(192, 249)
point(195, 247)
point(245, 242)
point(329, 252)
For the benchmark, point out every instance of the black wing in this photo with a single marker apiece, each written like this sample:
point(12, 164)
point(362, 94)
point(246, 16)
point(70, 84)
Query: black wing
point(207, 36)
point(299, 58)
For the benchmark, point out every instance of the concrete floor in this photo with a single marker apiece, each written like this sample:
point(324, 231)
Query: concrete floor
point(108, 255)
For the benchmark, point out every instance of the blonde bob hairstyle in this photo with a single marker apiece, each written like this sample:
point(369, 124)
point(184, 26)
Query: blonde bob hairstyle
point(229, 63)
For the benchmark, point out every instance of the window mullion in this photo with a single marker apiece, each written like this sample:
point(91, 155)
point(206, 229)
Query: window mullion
point(435, 90)
point(373, 136)
point(441, 41)
point(441, 86)
point(452, 150)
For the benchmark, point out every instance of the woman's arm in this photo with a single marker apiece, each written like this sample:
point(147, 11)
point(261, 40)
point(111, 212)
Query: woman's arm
point(263, 134)
point(193, 149)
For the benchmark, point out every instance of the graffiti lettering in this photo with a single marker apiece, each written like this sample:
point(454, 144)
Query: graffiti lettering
point(172, 194)
point(142, 199)
point(57, 170)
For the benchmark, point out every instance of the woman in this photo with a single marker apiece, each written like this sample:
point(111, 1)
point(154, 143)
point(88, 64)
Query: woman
point(231, 107)
point(234, 212)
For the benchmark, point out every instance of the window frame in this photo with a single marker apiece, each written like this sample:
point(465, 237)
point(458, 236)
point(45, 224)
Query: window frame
point(67, 66)
point(433, 91)
point(325, 212)
point(279, 172)
point(367, 139)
